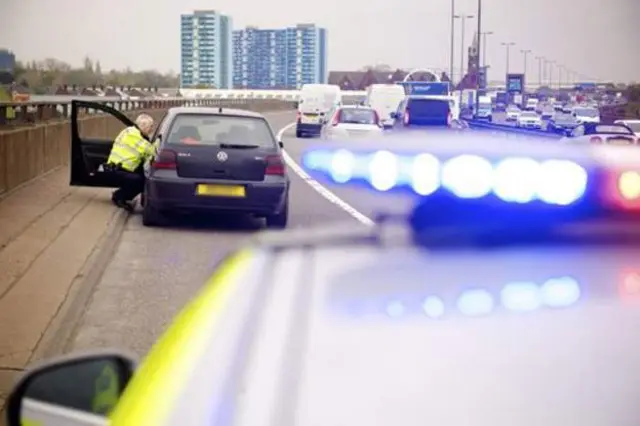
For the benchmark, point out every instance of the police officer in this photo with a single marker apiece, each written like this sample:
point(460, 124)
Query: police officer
point(130, 151)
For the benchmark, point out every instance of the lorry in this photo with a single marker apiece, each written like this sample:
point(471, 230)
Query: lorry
point(502, 101)
point(485, 109)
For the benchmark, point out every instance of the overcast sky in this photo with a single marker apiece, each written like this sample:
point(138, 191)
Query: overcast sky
point(597, 38)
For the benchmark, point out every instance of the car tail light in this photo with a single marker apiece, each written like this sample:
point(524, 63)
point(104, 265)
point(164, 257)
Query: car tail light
point(166, 159)
point(298, 116)
point(406, 117)
point(275, 166)
point(336, 118)
point(596, 139)
point(449, 119)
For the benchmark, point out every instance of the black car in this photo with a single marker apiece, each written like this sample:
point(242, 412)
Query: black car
point(562, 124)
point(417, 110)
point(209, 159)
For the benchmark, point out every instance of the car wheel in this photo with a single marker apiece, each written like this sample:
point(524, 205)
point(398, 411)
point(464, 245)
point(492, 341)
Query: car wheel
point(279, 220)
point(151, 216)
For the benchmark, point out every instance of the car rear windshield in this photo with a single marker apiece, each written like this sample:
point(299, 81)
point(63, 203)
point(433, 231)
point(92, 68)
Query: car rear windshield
point(634, 126)
point(358, 116)
point(201, 129)
point(612, 129)
point(429, 111)
point(586, 112)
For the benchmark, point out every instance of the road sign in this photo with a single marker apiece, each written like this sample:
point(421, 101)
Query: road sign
point(425, 87)
point(515, 83)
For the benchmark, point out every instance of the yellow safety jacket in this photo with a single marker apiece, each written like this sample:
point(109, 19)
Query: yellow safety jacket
point(131, 149)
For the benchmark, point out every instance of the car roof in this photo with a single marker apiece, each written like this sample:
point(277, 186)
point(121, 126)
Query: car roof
point(213, 110)
point(311, 336)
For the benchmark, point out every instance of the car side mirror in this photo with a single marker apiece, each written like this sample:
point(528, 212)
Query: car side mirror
point(280, 144)
point(70, 388)
point(393, 115)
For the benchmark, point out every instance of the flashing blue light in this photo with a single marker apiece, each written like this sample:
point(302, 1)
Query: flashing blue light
point(468, 176)
point(384, 170)
point(433, 307)
point(513, 180)
point(521, 297)
point(425, 174)
point(560, 292)
point(475, 303)
point(395, 309)
point(516, 179)
point(342, 165)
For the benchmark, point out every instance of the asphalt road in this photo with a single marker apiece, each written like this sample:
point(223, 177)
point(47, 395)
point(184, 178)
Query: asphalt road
point(155, 271)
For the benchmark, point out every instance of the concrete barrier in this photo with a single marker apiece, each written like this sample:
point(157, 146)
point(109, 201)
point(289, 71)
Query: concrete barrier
point(29, 152)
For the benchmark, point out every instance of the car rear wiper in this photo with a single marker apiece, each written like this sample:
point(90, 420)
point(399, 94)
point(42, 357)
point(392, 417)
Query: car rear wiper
point(238, 146)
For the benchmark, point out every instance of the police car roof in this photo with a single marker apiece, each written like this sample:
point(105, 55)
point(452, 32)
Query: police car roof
point(397, 335)
point(495, 338)
point(213, 110)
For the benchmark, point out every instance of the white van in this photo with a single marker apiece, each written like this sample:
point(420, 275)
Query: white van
point(315, 103)
point(384, 99)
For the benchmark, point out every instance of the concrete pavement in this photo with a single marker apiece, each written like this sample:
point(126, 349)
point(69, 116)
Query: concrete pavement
point(49, 232)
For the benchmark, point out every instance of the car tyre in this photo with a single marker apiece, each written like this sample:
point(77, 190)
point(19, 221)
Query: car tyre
point(280, 219)
point(151, 216)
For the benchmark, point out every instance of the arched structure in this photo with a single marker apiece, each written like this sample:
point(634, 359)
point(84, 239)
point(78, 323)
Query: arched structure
point(425, 70)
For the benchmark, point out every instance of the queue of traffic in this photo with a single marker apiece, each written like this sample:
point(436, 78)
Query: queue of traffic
point(322, 113)
point(509, 289)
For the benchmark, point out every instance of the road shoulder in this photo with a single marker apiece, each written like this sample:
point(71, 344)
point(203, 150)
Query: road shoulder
point(50, 243)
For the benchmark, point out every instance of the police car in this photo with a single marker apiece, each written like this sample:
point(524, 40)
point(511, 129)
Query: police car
point(510, 295)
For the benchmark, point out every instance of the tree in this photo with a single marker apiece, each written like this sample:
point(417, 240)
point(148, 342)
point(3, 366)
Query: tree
point(377, 68)
point(43, 76)
point(88, 64)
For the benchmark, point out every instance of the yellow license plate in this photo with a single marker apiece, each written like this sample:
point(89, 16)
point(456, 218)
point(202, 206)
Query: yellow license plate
point(221, 191)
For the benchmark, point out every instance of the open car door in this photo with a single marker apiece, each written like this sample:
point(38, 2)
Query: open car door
point(89, 153)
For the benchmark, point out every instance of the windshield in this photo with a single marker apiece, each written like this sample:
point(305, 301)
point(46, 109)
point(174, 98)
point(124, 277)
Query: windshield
point(635, 126)
point(586, 112)
point(201, 129)
point(565, 118)
point(358, 116)
point(612, 128)
point(428, 111)
point(529, 114)
point(513, 109)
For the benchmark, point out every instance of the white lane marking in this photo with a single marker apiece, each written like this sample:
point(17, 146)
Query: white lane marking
point(330, 196)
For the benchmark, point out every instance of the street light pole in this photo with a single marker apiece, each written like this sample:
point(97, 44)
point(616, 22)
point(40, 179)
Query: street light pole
point(453, 38)
point(484, 46)
point(550, 63)
point(481, 60)
point(525, 53)
point(463, 19)
point(560, 68)
point(540, 59)
point(508, 46)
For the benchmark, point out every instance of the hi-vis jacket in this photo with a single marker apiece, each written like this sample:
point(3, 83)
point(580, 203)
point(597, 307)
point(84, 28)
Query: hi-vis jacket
point(131, 149)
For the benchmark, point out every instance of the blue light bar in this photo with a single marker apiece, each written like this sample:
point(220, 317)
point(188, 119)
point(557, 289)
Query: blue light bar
point(513, 179)
point(515, 297)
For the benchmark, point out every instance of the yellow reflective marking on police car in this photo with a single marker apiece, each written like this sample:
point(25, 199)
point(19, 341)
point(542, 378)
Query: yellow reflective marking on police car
point(27, 422)
point(157, 384)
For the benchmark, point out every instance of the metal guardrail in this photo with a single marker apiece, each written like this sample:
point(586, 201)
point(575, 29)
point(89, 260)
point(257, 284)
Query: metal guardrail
point(14, 114)
point(504, 128)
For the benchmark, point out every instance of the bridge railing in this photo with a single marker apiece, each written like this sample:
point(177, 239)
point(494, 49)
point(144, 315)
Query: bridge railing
point(18, 114)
